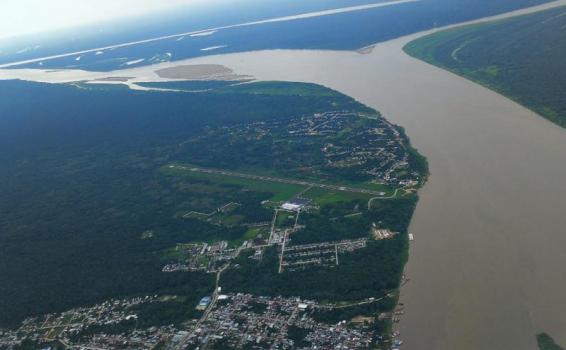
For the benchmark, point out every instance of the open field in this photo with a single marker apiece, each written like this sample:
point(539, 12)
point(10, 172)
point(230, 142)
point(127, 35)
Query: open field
point(285, 219)
point(253, 179)
point(521, 58)
point(285, 191)
point(321, 196)
point(281, 191)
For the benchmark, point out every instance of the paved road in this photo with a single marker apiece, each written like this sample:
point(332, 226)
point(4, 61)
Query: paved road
point(183, 343)
point(280, 180)
point(493, 266)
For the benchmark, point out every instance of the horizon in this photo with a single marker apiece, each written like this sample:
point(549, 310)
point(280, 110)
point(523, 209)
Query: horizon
point(18, 20)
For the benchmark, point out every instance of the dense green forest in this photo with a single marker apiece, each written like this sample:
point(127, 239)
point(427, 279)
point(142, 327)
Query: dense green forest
point(545, 342)
point(521, 58)
point(91, 208)
point(332, 222)
point(81, 184)
point(369, 272)
point(365, 273)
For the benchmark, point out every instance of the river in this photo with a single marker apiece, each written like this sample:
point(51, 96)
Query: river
point(487, 267)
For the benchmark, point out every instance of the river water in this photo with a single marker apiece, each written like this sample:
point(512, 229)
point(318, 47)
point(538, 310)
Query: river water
point(487, 268)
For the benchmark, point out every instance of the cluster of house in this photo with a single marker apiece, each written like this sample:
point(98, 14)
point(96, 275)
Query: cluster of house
point(202, 257)
point(244, 320)
point(90, 327)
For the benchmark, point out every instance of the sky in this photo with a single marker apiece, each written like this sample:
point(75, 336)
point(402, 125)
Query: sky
point(29, 16)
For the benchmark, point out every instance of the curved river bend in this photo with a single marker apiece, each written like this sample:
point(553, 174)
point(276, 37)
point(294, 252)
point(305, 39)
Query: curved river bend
point(487, 268)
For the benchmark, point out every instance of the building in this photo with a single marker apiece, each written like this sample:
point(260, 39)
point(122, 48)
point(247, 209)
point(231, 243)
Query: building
point(295, 204)
point(203, 304)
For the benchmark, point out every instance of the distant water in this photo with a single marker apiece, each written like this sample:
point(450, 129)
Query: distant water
point(345, 31)
point(487, 267)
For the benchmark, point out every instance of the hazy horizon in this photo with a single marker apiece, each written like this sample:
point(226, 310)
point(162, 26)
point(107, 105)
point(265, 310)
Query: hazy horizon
point(21, 17)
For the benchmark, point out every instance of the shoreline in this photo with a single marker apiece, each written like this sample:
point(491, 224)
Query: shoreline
point(150, 73)
point(508, 290)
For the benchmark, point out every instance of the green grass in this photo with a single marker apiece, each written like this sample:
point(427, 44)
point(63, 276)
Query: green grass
point(252, 233)
point(203, 260)
point(281, 192)
point(321, 196)
point(378, 187)
point(173, 253)
point(545, 342)
point(285, 219)
point(230, 220)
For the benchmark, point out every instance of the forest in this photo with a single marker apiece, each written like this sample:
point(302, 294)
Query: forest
point(521, 58)
point(545, 342)
point(89, 207)
point(369, 272)
point(81, 183)
point(332, 223)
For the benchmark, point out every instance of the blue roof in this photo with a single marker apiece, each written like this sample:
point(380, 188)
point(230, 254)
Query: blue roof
point(205, 300)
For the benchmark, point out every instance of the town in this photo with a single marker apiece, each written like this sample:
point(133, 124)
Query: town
point(329, 146)
point(358, 158)
point(68, 329)
point(245, 321)
point(235, 320)
point(211, 258)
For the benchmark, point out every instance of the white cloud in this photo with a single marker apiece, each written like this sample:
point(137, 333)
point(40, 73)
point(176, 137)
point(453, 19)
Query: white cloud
point(28, 16)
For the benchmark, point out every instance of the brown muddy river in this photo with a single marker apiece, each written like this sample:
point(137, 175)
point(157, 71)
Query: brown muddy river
point(488, 265)
point(487, 268)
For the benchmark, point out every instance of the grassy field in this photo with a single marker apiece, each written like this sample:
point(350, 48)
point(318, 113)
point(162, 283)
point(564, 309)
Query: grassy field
point(521, 58)
point(321, 196)
point(252, 233)
point(285, 219)
point(281, 192)
point(545, 342)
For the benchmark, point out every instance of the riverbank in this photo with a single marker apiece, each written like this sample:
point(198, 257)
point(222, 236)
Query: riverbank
point(521, 58)
point(488, 258)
